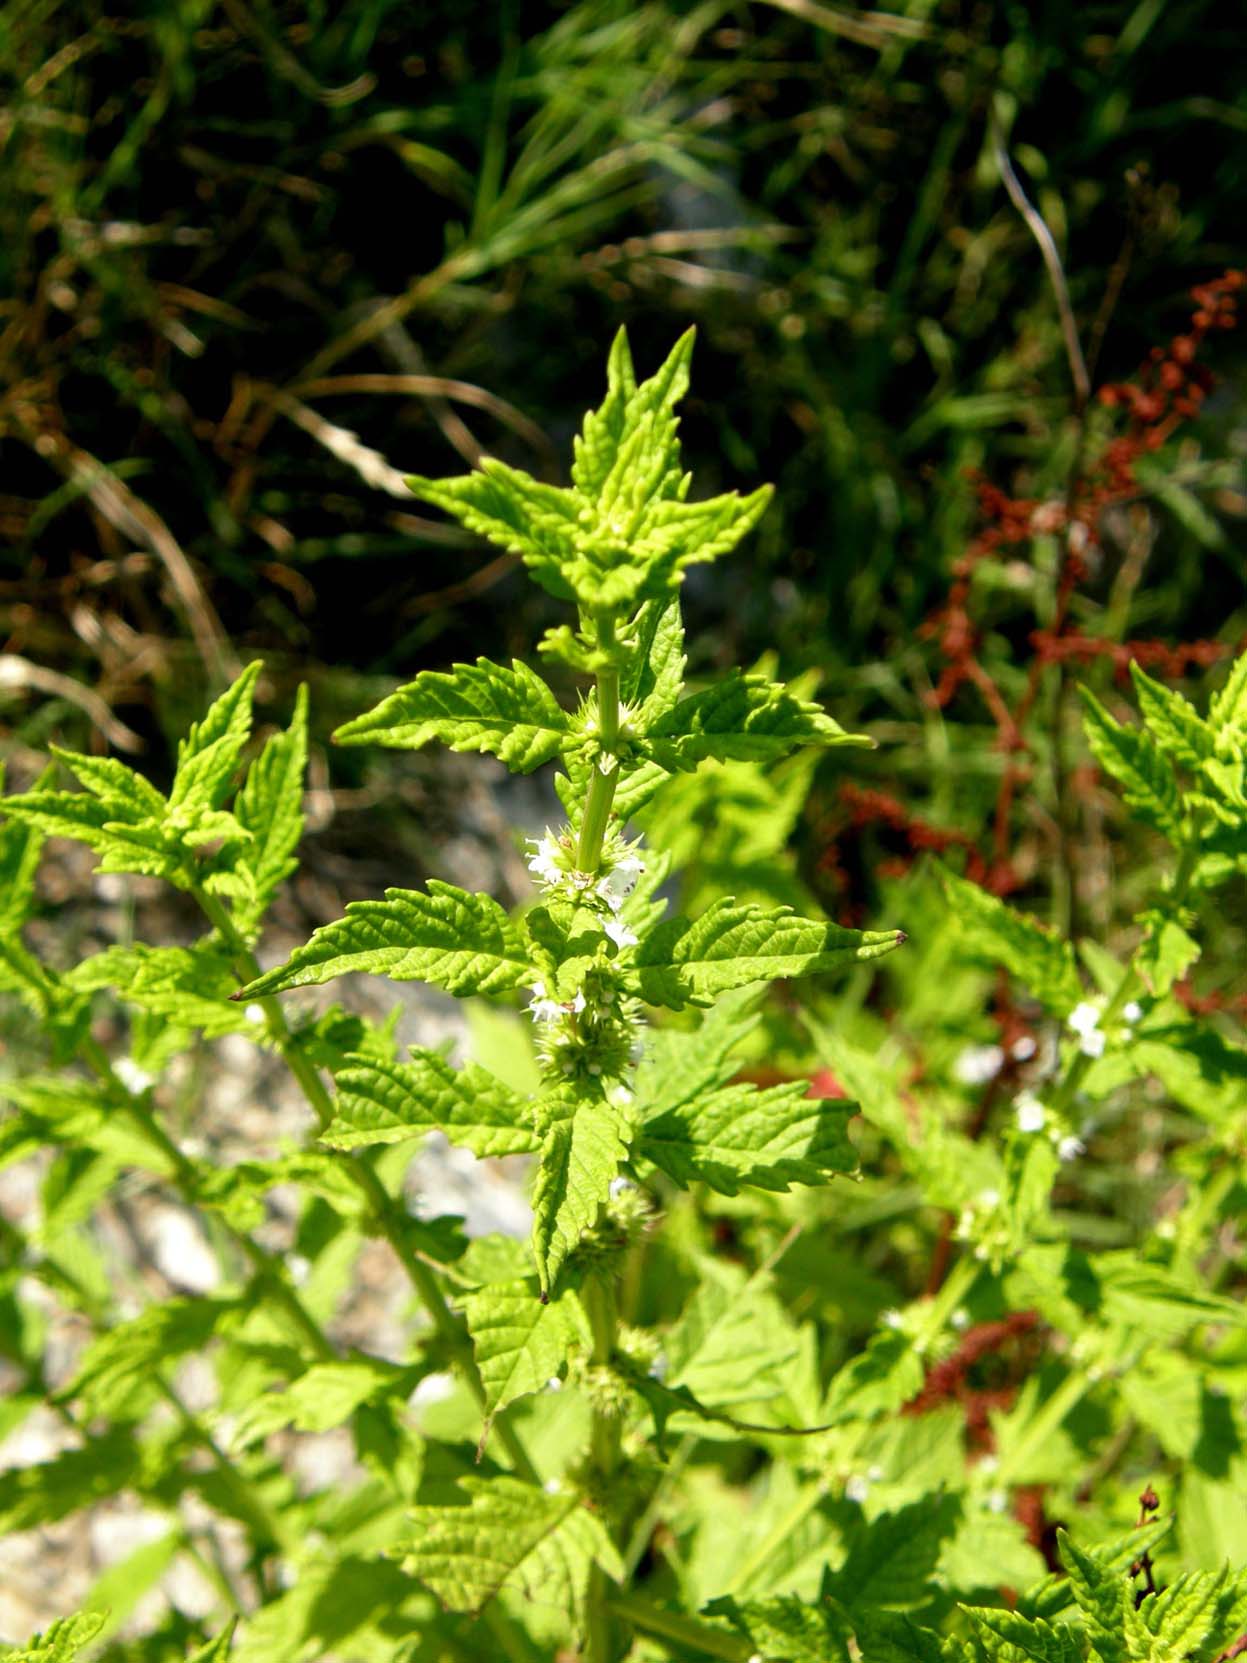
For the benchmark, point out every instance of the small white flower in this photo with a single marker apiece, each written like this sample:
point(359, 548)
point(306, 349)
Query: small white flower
point(254, 1013)
point(619, 933)
point(1092, 1044)
point(658, 1368)
point(960, 1318)
point(621, 1097)
point(1070, 1148)
point(544, 864)
point(1022, 1050)
point(552, 1486)
point(988, 1198)
point(1084, 1019)
point(554, 1384)
point(543, 1008)
point(892, 1319)
point(1132, 1012)
point(577, 1004)
point(607, 763)
point(620, 1186)
point(1029, 1112)
point(857, 1488)
point(620, 881)
point(978, 1063)
point(997, 1501)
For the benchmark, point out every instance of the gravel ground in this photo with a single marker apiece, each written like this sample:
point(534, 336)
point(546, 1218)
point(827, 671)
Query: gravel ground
point(248, 1107)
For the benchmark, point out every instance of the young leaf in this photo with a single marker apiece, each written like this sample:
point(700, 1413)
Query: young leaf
point(1173, 721)
point(208, 756)
point(537, 522)
point(1166, 952)
point(742, 1136)
point(580, 1154)
point(733, 1341)
point(461, 942)
point(654, 675)
point(782, 1628)
point(743, 718)
point(1006, 1636)
point(1101, 1595)
point(512, 1535)
point(483, 707)
point(320, 1399)
point(269, 806)
point(730, 946)
point(189, 986)
point(1139, 765)
point(61, 1641)
point(1036, 956)
point(119, 1371)
point(520, 1343)
point(384, 1102)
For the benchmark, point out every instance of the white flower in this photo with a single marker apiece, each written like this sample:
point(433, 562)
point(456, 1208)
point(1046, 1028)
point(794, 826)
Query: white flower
point(988, 1199)
point(1084, 1019)
point(979, 1063)
point(545, 864)
point(892, 1319)
point(619, 933)
point(997, 1501)
point(620, 1186)
point(1029, 1112)
point(1132, 1012)
point(1092, 1044)
point(543, 1008)
point(254, 1013)
point(1022, 1050)
point(857, 1488)
point(1070, 1148)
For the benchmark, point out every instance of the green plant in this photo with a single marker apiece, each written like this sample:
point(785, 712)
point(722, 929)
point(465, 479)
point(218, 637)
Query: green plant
point(719, 1405)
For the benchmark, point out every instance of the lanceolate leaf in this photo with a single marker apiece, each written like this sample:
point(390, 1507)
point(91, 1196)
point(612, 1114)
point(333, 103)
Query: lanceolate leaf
point(1039, 959)
point(61, 1641)
point(742, 718)
point(742, 1136)
point(208, 756)
point(1138, 764)
point(580, 1154)
point(269, 806)
point(476, 707)
point(1173, 721)
point(539, 1544)
point(537, 522)
point(654, 675)
point(190, 986)
point(458, 941)
point(385, 1102)
point(732, 946)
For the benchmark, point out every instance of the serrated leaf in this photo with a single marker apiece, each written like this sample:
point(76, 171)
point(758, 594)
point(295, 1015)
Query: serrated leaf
point(462, 942)
point(1101, 1595)
point(892, 1560)
point(119, 1371)
point(125, 845)
point(380, 1101)
point(1037, 956)
point(743, 718)
point(887, 1637)
point(320, 1399)
point(1166, 952)
point(20, 847)
point(537, 522)
point(190, 986)
point(782, 1630)
point(1008, 1637)
point(512, 714)
point(209, 754)
point(511, 1535)
point(1173, 721)
point(765, 1139)
point(50, 1490)
point(269, 806)
point(61, 1640)
point(879, 1380)
point(654, 675)
point(343, 1607)
point(1229, 706)
point(731, 946)
point(1139, 765)
point(520, 1343)
point(733, 1341)
point(580, 1154)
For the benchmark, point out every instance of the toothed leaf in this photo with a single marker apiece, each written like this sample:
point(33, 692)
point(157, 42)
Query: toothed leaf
point(386, 1102)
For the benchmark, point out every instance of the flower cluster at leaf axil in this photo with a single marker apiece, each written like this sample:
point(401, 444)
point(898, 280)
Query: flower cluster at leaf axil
point(592, 1027)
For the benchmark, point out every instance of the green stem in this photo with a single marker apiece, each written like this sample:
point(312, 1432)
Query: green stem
point(602, 786)
point(266, 1265)
point(680, 1630)
point(390, 1218)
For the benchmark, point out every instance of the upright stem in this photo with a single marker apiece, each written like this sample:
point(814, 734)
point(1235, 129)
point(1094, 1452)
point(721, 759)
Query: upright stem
point(391, 1220)
point(598, 1291)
